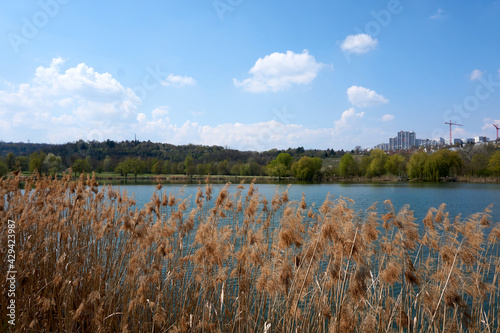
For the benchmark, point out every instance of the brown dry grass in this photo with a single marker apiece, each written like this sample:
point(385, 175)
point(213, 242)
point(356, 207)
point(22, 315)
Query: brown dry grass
point(89, 260)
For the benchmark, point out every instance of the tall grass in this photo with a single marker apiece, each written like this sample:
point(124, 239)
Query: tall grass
point(89, 260)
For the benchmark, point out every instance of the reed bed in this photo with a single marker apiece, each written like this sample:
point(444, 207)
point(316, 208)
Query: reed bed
point(89, 260)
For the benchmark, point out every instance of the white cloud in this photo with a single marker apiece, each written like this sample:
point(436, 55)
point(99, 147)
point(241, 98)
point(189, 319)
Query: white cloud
point(440, 13)
point(66, 104)
point(387, 117)
point(488, 124)
point(278, 71)
point(160, 112)
point(141, 117)
point(476, 74)
point(458, 132)
point(348, 119)
point(178, 81)
point(197, 113)
point(361, 43)
point(77, 102)
point(348, 130)
point(63, 120)
point(363, 97)
point(258, 136)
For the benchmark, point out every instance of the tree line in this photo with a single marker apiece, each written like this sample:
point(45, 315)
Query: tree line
point(475, 161)
point(136, 158)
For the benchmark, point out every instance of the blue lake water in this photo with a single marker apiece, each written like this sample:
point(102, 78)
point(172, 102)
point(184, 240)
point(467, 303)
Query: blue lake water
point(459, 197)
point(464, 199)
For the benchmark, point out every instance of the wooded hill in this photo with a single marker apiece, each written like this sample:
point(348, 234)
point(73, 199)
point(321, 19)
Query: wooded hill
point(134, 157)
point(106, 156)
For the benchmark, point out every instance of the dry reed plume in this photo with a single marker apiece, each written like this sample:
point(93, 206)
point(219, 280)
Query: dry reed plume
point(89, 260)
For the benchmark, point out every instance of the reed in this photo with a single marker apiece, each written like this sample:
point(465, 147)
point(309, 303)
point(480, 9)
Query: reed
point(89, 260)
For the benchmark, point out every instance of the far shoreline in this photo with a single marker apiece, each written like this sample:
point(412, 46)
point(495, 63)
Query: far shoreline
point(111, 179)
point(154, 179)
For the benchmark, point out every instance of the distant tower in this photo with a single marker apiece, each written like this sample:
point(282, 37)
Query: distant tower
point(450, 123)
point(497, 127)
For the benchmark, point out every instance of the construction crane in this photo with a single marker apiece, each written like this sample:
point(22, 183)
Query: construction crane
point(497, 127)
point(450, 123)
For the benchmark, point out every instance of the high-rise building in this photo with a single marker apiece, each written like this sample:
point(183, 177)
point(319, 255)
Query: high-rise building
point(406, 140)
point(383, 146)
point(393, 142)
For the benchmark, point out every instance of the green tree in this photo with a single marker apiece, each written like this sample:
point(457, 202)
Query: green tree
point(178, 168)
point(479, 164)
point(245, 170)
point(276, 169)
point(494, 164)
point(189, 167)
point(124, 168)
point(395, 165)
point(415, 166)
point(201, 169)
point(347, 166)
point(235, 169)
point(167, 168)
point(223, 167)
point(81, 165)
point(36, 160)
point(11, 161)
point(280, 166)
point(377, 165)
point(211, 168)
point(364, 165)
point(442, 163)
point(106, 164)
point(137, 166)
point(285, 159)
point(255, 168)
point(156, 168)
point(23, 162)
point(52, 164)
point(4, 169)
point(307, 168)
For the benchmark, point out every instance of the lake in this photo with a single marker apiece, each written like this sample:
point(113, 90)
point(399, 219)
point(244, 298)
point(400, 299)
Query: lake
point(461, 198)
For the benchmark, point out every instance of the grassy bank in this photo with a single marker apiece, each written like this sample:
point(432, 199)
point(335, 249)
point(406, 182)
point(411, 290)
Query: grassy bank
point(87, 259)
point(116, 178)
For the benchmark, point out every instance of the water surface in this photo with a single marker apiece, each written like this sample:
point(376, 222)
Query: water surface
point(461, 198)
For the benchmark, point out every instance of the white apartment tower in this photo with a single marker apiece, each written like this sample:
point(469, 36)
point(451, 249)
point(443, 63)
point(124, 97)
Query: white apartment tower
point(406, 140)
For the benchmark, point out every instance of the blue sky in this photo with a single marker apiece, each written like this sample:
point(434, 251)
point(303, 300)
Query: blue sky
point(251, 75)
